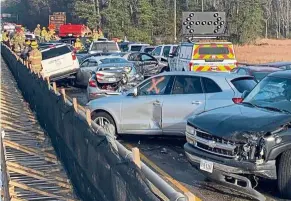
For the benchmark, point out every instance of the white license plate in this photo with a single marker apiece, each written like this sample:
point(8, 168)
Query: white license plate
point(206, 166)
point(112, 79)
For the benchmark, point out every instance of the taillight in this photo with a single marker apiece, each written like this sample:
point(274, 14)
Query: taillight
point(74, 57)
point(92, 83)
point(190, 66)
point(237, 100)
point(99, 76)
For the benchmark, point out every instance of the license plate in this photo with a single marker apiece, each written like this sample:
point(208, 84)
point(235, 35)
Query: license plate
point(112, 79)
point(206, 166)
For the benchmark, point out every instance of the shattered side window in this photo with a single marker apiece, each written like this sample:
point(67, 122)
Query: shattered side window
point(154, 86)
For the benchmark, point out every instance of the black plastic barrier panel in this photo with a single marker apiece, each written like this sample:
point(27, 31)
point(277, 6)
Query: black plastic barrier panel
point(95, 169)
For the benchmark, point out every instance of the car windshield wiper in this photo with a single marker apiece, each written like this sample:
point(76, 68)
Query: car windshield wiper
point(248, 103)
point(275, 109)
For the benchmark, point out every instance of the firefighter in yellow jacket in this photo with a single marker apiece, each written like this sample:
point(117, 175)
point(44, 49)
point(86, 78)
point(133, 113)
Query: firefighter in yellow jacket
point(43, 33)
point(37, 32)
point(35, 58)
point(78, 45)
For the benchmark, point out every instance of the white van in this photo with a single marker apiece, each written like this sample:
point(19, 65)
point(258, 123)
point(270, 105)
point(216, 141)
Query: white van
point(58, 62)
point(203, 56)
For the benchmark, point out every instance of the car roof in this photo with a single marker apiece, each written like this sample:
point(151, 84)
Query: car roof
point(103, 41)
point(213, 75)
point(54, 46)
point(278, 63)
point(282, 74)
point(98, 58)
point(260, 68)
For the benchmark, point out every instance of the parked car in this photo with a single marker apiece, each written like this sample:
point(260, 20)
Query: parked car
point(235, 143)
point(83, 56)
point(162, 104)
point(164, 51)
point(285, 65)
point(103, 46)
point(90, 64)
point(112, 79)
point(136, 47)
point(58, 62)
point(146, 63)
point(147, 49)
point(257, 72)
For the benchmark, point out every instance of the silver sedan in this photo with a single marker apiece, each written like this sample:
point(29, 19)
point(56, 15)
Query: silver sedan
point(162, 104)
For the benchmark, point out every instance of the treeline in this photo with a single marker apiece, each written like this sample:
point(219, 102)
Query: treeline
point(153, 20)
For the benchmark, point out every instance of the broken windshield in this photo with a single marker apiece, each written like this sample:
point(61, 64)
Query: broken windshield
point(272, 92)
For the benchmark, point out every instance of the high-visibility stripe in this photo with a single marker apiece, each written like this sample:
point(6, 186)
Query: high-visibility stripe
point(222, 68)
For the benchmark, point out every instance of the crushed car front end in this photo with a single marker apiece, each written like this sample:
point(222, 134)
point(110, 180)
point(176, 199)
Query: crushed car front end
point(236, 155)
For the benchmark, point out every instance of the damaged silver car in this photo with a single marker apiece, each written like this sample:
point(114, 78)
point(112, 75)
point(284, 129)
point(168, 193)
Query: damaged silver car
point(112, 79)
point(239, 144)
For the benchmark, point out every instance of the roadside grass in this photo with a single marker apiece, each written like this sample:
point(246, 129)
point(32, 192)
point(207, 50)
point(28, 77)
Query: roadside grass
point(263, 51)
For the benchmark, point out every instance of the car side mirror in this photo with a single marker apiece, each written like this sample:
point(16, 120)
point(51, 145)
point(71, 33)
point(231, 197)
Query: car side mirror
point(245, 94)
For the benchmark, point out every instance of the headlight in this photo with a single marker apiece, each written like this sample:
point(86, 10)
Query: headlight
point(190, 129)
point(127, 69)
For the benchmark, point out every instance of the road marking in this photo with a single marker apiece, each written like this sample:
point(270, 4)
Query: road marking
point(165, 175)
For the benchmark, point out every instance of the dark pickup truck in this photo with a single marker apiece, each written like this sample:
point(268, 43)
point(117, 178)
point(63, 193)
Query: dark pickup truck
point(239, 144)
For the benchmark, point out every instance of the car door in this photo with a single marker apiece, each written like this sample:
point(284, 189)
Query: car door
point(185, 99)
point(150, 64)
point(142, 114)
point(173, 61)
point(84, 73)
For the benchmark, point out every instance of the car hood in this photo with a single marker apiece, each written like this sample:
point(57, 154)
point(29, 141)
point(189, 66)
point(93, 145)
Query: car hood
point(233, 121)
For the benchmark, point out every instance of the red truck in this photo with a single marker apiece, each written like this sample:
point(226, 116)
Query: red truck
point(73, 30)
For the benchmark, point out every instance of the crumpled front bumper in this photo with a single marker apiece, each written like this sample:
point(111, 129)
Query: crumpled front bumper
point(230, 172)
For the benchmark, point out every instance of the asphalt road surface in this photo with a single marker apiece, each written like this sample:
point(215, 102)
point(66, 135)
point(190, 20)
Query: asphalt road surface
point(166, 157)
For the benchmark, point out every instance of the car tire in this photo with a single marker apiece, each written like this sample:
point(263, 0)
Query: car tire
point(105, 115)
point(284, 175)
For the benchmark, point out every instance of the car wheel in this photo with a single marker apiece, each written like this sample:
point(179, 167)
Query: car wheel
point(102, 119)
point(284, 175)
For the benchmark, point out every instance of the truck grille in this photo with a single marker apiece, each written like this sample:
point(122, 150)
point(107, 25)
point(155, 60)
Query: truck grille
point(213, 144)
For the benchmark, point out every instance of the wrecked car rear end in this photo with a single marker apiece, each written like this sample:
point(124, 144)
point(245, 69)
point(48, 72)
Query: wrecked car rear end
point(112, 79)
point(239, 144)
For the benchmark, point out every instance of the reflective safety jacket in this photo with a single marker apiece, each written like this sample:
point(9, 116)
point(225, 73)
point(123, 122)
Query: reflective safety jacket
point(35, 58)
point(37, 31)
point(43, 33)
point(5, 37)
point(78, 46)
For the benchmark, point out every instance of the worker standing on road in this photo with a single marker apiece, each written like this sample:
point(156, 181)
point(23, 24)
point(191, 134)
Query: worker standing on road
point(27, 48)
point(22, 37)
point(16, 41)
point(78, 45)
point(43, 34)
point(95, 35)
point(37, 32)
point(47, 36)
point(35, 58)
point(5, 37)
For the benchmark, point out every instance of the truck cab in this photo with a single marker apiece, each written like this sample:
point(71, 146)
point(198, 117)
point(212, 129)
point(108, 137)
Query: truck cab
point(203, 56)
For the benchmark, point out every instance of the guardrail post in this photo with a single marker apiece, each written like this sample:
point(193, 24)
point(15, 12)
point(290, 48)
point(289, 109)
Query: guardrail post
point(75, 104)
point(55, 87)
point(48, 82)
point(136, 156)
point(190, 196)
point(63, 92)
point(88, 117)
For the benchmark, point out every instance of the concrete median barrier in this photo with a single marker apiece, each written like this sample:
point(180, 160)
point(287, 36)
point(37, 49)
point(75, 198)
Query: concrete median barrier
point(97, 170)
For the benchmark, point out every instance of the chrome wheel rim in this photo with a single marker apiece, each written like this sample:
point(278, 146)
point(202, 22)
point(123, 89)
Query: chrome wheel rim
point(101, 121)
